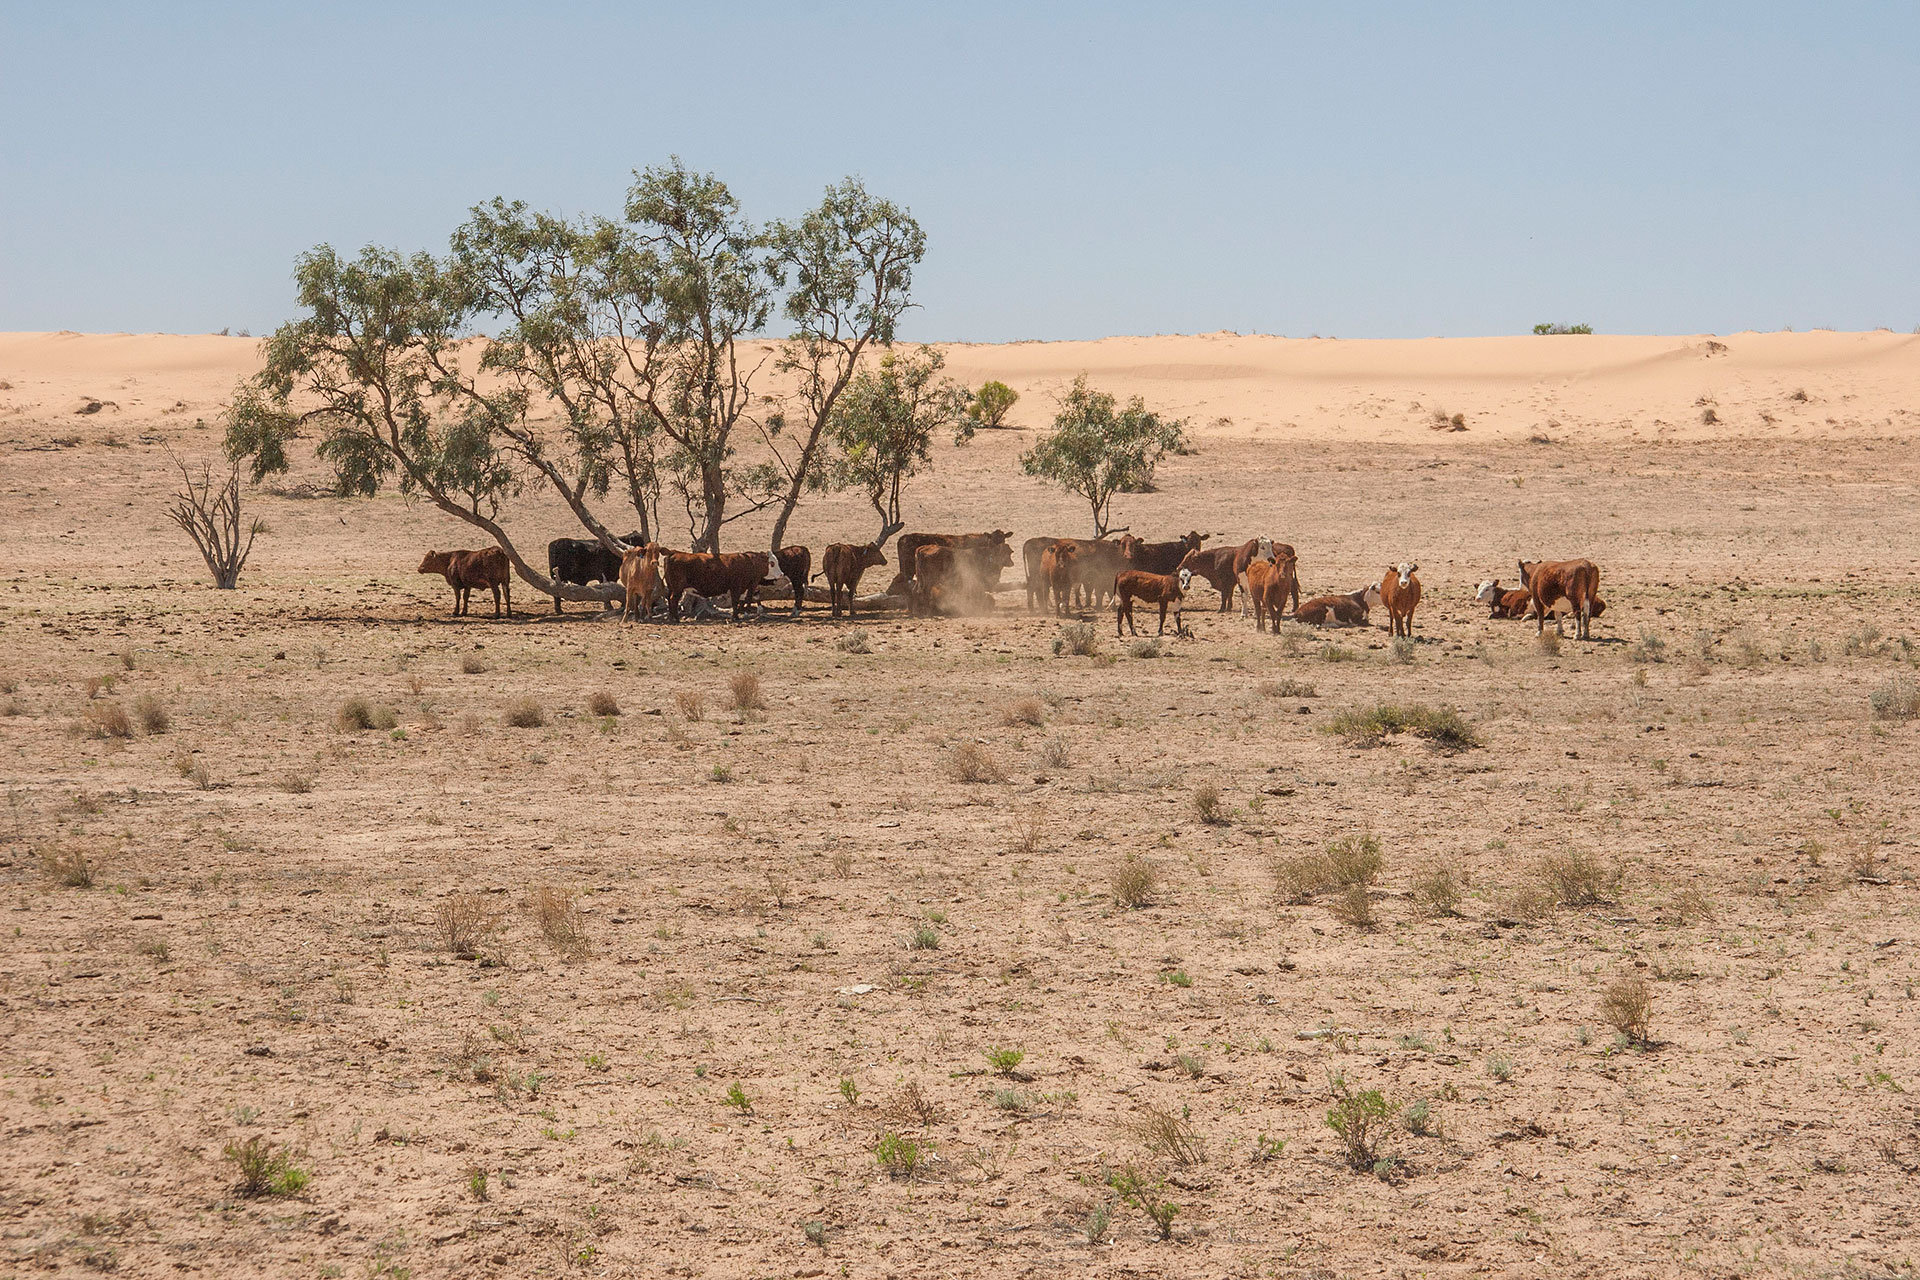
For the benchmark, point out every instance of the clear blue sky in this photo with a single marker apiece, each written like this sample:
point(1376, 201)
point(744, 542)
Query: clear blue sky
point(1360, 170)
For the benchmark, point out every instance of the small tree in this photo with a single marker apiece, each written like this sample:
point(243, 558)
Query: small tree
point(211, 517)
point(1097, 449)
point(883, 428)
point(991, 403)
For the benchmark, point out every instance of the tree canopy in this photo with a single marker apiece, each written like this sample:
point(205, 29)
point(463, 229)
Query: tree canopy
point(884, 424)
point(991, 402)
point(1097, 448)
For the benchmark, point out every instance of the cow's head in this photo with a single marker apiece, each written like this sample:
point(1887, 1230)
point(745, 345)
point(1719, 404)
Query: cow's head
point(871, 556)
point(1526, 573)
point(1193, 541)
point(1129, 547)
point(1403, 572)
point(1368, 595)
point(1186, 580)
point(1488, 591)
point(436, 562)
point(1263, 548)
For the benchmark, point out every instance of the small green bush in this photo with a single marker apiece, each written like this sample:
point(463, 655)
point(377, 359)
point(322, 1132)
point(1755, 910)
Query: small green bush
point(264, 1170)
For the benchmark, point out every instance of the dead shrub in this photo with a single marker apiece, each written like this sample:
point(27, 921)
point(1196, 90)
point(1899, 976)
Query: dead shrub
point(603, 704)
point(1531, 902)
point(356, 715)
point(1898, 699)
point(1031, 828)
point(1439, 888)
point(855, 641)
point(561, 921)
point(1080, 639)
point(1627, 1007)
point(1026, 711)
point(1580, 880)
point(1055, 754)
point(1354, 906)
point(106, 720)
point(152, 713)
point(473, 664)
point(1134, 881)
point(465, 921)
point(525, 713)
point(1208, 806)
point(296, 783)
point(1348, 861)
point(1548, 643)
point(1288, 688)
point(68, 866)
point(692, 703)
point(974, 763)
point(1693, 903)
point(744, 686)
point(1166, 1136)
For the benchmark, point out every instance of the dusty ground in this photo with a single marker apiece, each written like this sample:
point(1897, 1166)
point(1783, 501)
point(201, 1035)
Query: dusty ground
point(259, 953)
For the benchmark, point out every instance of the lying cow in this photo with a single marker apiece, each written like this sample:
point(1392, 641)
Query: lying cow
point(581, 561)
point(1501, 602)
point(465, 570)
point(738, 575)
point(1349, 610)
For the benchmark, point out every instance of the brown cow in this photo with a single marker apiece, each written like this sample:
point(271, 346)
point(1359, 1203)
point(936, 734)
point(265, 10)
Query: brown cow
point(1215, 564)
point(796, 562)
point(936, 574)
point(1095, 561)
point(1162, 589)
point(1056, 575)
point(1349, 610)
point(1575, 581)
point(1501, 602)
point(842, 565)
point(1159, 557)
point(1263, 549)
point(1268, 582)
point(465, 570)
point(640, 575)
point(734, 574)
point(989, 552)
point(1038, 584)
point(1399, 590)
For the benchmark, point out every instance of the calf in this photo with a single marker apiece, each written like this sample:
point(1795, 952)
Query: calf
point(1575, 581)
point(1268, 582)
point(465, 570)
point(796, 562)
point(1400, 591)
point(843, 564)
point(1502, 603)
point(1163, 589)
point(581, 561)
point(1038, 584)
point(1337, 611)
point(640, 575)
point(1056, 575)
point(734, 574)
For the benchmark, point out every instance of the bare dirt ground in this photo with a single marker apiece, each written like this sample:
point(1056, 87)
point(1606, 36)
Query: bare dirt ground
point(806, 901)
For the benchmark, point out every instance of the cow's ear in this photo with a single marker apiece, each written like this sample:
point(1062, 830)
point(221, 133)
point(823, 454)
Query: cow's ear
point(1414, 569)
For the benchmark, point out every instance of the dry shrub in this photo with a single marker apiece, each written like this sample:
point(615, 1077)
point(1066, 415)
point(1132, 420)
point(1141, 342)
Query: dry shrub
point(1166, 1136)
point(1207, 805)
point(1627, 1007)
point(692, 703)
point(1897, 699)
point(10, 706)
point(1055, 754)
point(912, 1106)
point(1693, 903)
point(465, 920)
point(1079, 639)
point(855, 641)
point(357, 714)
point(1288, 688)
point(603, 704)
point(1531, 902)
point(1134, 881)
point(1144, 647)
point(974, 763)
point(152, 713)
point(1580, 880)
point(1348, 861)
point(1026, 711)
point(106, 720)
point(842, 864)
point(1031, 827)
point(1354, 907)
point(68, 866)
point(1548, 642)
point(744, 686)
point(525, 713)
point(561, 921)
point(296, 783)
point(1439, 888)
point(473, 664)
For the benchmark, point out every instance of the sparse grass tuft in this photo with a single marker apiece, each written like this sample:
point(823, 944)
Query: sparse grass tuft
point(1079, 639)
point(152, 713)
point(1403, 649)
point(855, 641)
point(1207, 805)
point(1347, 862)
point(1166, 1136)
point(1443, 727)
point(106, 720)
point(357, 714)
point(1627, 1007)
point(465, 920)
point(1133, 882)
point(603, 704)
point(1354, 906)
point(972, 762)
point(744, 689)
point(525, 713)
point(1439, 888)
point(692, 703)
point(68, 867)
point(561, 921)
point(1029, 711)
point(263, 1169)
point(1580, 880)
point(1055, 754)
point(1898, 699)
point(1288, 688)
point(296, 783)
point(1650, 647)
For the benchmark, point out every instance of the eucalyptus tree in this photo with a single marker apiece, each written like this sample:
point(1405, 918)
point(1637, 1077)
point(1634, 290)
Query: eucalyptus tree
point(883, 428)
point(1098, 447)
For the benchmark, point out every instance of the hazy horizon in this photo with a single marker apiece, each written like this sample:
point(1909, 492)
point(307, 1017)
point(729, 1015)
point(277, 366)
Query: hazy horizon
point(1081, 171)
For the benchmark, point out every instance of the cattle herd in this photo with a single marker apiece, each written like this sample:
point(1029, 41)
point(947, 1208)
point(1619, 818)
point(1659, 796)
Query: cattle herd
point(957, 573)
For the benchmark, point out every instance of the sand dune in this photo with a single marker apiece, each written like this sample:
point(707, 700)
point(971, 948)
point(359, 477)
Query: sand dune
point(1601, 388)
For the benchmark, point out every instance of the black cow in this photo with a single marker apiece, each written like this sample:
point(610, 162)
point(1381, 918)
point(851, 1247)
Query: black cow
point(583, 560)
